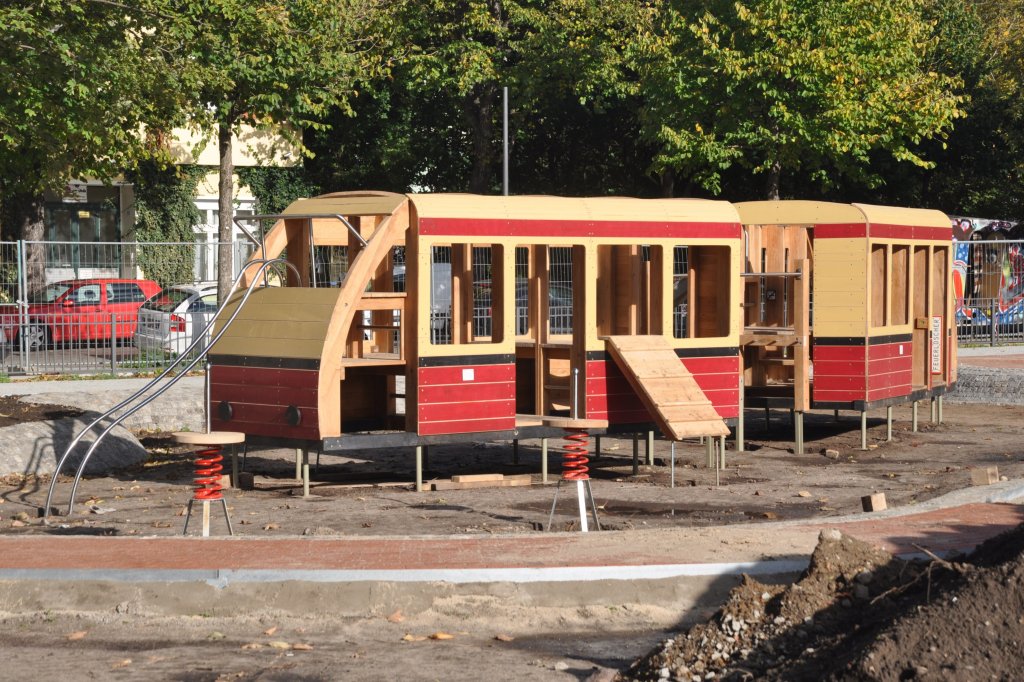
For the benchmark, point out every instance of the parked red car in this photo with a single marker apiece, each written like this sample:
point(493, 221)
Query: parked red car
point(79, 310)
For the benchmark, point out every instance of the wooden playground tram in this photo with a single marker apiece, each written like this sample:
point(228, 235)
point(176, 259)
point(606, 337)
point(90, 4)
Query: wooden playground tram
point(501, 312)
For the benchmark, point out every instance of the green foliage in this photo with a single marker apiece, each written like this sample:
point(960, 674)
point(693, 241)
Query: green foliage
point(165, 211)
point(792, 84)
point(81, 80)
point(275, 187)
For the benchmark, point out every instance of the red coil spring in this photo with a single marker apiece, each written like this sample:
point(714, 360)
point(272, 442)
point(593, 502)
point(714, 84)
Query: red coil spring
point(208, 472)
point(575, 460)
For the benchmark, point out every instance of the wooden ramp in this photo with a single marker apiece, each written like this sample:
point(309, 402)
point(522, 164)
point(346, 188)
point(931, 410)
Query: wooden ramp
point(666, 388)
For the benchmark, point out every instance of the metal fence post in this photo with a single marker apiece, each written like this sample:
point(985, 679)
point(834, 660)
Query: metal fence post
point(113, 343)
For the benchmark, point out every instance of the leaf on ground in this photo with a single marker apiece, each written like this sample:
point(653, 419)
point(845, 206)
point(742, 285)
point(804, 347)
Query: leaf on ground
point(302, 646)
point(279, 645)
point(123, 663)
point(252, 645)
point(272, 526)
point(396, 617)
point(80, 634)
point(504, 638)
point(803, 493)
point(413, 638)
point(216, 635)
point(442, 635)
point(269, 632)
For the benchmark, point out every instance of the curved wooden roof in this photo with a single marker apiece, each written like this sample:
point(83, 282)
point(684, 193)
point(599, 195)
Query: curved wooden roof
point(347, 204)
point(572, 208)
point(793, 212)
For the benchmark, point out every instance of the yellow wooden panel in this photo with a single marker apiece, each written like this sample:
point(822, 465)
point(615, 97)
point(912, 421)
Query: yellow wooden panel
point(268, 348)
point(893, 215)
point(797, 213)
point(572, 208)
point(347, 204)
point(262, 329)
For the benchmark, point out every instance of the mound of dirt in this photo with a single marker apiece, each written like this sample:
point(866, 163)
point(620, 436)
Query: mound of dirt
point(858, 613)
point(14, 411)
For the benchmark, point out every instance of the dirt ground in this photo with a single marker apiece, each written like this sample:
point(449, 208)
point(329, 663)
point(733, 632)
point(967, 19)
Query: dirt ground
point(371, 494)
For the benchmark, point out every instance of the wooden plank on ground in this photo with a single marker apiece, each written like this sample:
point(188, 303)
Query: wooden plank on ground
point(467, 478)
point(505, 482)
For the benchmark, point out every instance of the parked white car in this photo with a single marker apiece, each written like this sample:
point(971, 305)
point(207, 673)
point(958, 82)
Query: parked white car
point(170, 320)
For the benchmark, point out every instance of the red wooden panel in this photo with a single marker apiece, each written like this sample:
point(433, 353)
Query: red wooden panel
point(823, 368)
point(481, 409)
point(597, 369)
point(505, 390)
point(718, 365)
point(466, 426)
point(260, 376)
point(477, 227)
point(711, 382)
point(262, 395)
point(840, 231)
point(609, 386)
point(839, 353)
point(911, 232)
point(904, 364)
point(827, 396)
point(269, 420)
point(433, 376)
point(850, 383)
point(889, 350)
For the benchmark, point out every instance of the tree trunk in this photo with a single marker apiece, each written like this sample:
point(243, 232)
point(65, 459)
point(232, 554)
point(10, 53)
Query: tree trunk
point(480, 115)
point(667, 179)
point(25, 212)
point(226, 208)
point(774, 176)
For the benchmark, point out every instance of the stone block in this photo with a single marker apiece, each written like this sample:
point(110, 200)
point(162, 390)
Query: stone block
point(873, 503)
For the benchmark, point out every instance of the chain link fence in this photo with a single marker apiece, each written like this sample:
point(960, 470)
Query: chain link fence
point(105, 307)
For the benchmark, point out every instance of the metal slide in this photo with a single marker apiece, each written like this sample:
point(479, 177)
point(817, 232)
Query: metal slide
point(140, 399)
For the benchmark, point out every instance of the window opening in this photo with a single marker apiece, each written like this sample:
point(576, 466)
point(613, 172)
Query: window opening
point(522, 290)
point(680, 292)
point(441, 294)
point(560, 290)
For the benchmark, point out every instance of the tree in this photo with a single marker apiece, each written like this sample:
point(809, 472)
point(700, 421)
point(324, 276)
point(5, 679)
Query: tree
point(82, 80)
point(790, 85)
point(276, 65)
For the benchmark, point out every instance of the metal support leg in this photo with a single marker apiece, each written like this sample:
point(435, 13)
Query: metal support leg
point(419, 468)
point(767, 418)
point(913, 416)
point(515, 452)
point(709, 449)
point(740, 423)
point(721, 450)
point(234, 466)
point(888, 423)
point(932, 417)
point(305, 472)
point(864, 430)
point(939, 399)
point(672, 465)
point(206, 516)
point(636, 454)
point(597, 447)
point(798, 428)
point(543, 460)
point(650, 448)
point(298, 464)
point(835, 415)
point(584, 497)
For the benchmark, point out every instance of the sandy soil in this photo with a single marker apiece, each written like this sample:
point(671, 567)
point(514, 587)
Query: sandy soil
point(372, 495)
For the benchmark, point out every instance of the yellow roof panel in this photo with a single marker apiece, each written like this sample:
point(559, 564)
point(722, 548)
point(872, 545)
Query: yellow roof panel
point(797, 213)
point(828, 213)
point(572, 208)
point(347, 204)
point(914, 217)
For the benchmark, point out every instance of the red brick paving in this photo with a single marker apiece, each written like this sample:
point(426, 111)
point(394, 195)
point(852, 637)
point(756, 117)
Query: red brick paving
point(953, 528)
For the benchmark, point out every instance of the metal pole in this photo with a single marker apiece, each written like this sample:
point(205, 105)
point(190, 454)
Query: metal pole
point(113, 343)
point(863, 430)
point(672, 460)
point(206, 406)
point(740, 445)
point(888, 423)
point(504, 141)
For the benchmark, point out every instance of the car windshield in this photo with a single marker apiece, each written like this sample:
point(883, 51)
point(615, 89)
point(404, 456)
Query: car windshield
point(49, 293)
point(167, 300)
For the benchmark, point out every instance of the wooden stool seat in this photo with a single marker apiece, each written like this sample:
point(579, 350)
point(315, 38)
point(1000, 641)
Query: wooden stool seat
point(212, 438)
point(570, 423)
